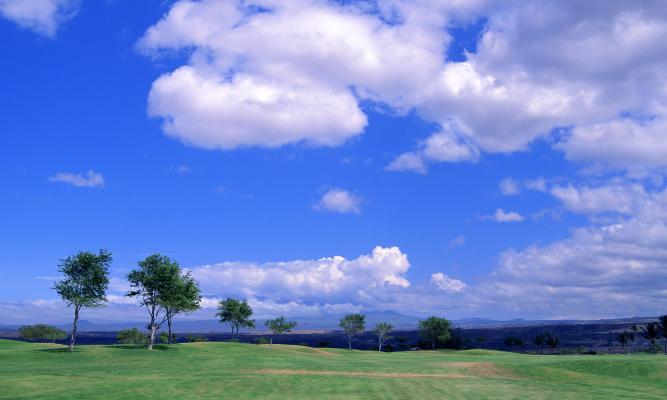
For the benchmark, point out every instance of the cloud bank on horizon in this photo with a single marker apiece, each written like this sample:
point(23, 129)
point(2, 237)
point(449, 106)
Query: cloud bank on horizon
point(586, 79)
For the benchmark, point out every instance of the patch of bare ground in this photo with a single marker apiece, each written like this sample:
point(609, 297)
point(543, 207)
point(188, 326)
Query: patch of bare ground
point(355, 374)
point(483, 369)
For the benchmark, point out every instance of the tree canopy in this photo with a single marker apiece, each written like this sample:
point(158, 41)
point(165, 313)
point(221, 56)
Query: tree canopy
point(153, 283)
point(279, 326)
point(352, 324)
point(235, 312)
point(86, 279)
point(434, 329)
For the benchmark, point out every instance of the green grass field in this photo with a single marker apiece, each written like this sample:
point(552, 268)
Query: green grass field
point(244, 371)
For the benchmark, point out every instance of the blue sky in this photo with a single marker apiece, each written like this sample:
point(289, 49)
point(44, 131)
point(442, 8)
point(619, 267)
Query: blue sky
point(496, 179)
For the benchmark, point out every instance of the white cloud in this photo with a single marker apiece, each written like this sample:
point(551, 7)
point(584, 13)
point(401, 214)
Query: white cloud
point(362, 280)
point(298, 71)
point(447, 284)
point(89, 179)
point(625, 143)
point(408, 162)
point(340, 201)
point(448, 145)
point(41, 16)
point(505, 216)
point(509, 187)
point(609, 198)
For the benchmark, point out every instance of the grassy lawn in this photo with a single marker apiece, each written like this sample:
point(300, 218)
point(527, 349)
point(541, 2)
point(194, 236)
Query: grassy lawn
point(243, 371)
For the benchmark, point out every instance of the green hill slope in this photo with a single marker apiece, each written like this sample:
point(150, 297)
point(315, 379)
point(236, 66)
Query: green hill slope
point(242, 371)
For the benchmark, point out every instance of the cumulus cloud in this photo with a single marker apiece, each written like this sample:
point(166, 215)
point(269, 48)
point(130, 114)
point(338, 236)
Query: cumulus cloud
point(326, 280)
point(297, 71)
point(339, 201)
point(41, 16)
point(630, 144)
point(447, 284)
point(448, 145)
point(89, 179)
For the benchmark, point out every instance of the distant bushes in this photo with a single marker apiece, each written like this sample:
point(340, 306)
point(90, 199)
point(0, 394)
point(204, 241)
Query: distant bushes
point(261, 340)
point(42, 332)
point(132, 336)
point(196, 338)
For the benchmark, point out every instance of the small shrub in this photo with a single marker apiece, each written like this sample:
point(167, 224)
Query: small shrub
point(303, 344)
point(196, 338)
point(262, 340)
point(164, 337)
point(131, 336)
point(234, 340)
point(323, 343)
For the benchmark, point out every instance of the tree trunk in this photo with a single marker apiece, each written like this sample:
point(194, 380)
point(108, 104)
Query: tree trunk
point(76, 320)
point(151, 340)
point(380, 344)
point(271, 342)
point(433, 345)
point(169, 329)
point(349, 342)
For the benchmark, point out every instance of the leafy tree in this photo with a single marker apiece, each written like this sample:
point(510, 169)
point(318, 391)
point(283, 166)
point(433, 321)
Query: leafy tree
point(551, 341)
point(42, 332)
point(236, 313)
point(434, 330)
point(131, 336)
point(352, 324)
point(512, 341)
point(85, 283)
point(540, 340)
point(651, 332)
point(152, 283)
point(662, 324)
point(382, 331)
point(480, 340)
point(279, 326)
point(182, 296)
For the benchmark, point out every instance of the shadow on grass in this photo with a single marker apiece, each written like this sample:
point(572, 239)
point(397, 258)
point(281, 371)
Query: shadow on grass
point(161, 347)
point(57, 350)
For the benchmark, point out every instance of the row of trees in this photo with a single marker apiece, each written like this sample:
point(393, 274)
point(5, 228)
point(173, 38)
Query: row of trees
point(158, 283)
point(652, 332)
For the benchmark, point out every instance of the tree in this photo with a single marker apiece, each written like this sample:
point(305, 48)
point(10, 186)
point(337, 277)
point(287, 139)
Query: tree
point(236, 313)
point(663, 329)
point(131, 336)
point(511, 341)
point(651, 332)
point(153, 282)
point(85, 283)
point(434, 329)
point(382, 331)
point(42, 332)
point(623, 338)
point(551, 341)
point(539, 341)
point(279, 326)
point(182, 296)
point(352, 324)
point(480, 340)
